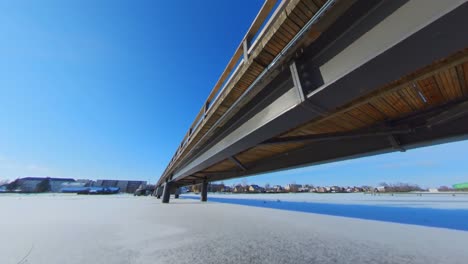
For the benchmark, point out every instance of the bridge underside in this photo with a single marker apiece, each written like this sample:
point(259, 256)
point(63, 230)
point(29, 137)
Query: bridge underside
point(429, 109)
point(376, 80)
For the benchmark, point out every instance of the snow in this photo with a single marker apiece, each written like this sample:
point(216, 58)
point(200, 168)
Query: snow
point(67, 228)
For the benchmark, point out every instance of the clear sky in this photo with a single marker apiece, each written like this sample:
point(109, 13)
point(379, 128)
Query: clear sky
point(107, 89)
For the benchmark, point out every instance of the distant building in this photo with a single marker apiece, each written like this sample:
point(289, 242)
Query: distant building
point(28, 184)
point(337, 189)
point(239, 189)
point(125, 186)
point(379, 189)
point(293, 187)
point(278, 188)
point(56, 184)
point(321, 190)
point(255, 189)
point(86, 182)
point(39, 184)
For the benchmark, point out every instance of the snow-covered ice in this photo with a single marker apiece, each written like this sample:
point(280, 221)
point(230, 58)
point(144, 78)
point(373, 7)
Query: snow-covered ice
point(126, 229)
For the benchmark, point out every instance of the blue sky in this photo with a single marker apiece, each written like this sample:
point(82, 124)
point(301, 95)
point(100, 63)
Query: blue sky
point(107, 89)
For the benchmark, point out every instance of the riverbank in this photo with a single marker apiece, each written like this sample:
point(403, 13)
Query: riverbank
point(126, 229)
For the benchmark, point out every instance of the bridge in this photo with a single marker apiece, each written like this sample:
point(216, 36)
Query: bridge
point(316, 81)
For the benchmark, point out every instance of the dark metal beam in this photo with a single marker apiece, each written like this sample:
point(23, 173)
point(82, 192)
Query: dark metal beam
point(393, 63)
point(331, 151)
point(395, 143)
point(334, 136)
point(238, 163)
point(185, 180)
point(318, 110)
point(453, 113)
point(197, 177)
point(210, 172)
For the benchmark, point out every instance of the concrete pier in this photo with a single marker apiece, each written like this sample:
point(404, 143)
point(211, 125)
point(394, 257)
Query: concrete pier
point(204, 191)
point(167, 192)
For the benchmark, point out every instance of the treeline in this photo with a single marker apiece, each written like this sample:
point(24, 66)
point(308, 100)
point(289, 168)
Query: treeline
point(400, 187)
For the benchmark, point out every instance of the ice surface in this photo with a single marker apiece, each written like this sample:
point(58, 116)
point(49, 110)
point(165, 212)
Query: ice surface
point(426, 200)
point(126, 229)
point(416, 212)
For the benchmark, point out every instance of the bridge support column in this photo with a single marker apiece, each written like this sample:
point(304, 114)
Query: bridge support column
point(158, 192)
point(204, 191)
point(167, 192)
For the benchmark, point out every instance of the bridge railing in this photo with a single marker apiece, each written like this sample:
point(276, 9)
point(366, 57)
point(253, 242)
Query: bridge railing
point(248, 43)
point(272, 35)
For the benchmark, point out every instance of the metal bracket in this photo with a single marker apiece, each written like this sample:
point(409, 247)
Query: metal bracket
point(197, 177)
point(315, 108)
point(395, 143)
point(451, 114)
point(297, 81)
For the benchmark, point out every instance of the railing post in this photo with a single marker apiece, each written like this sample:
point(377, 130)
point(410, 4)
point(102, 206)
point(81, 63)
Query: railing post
point(245, 45)
point(207, 106)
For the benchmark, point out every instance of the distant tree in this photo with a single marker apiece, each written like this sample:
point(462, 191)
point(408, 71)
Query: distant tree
point(267, 186)
point(244, 182)
point(384, 184)
point(444, 189)
point(215, 187)
point(401, 187)
point(3, 182)
point(366, 187)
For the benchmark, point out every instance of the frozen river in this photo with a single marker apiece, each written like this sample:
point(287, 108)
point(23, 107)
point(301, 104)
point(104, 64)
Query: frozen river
point(426, 200)
point(425, 209)
point(122, 229)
